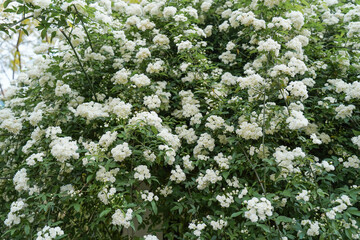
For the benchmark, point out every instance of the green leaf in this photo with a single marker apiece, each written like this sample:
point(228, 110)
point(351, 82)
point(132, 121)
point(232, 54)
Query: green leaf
point(154, 207)
point(353, 211)
point(234, 215)
point(27, 229)
point(321, 192)
point(104, 213)
point(281, 219)
point(53, 34)
point(88, 179)
point(77, 207)
point(264, 227)
point(287, 193)
point(43, 33)
point(139, 218)
point(7, 2)
point(348, 233)
point(154, 130)
point(25, 31)
point(225, 175)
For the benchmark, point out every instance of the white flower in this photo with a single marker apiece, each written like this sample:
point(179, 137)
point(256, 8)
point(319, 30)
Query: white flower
point(184, 45)
point(210, 176)
point(298, 89)
point(356, 141)
point(227, 57)
point(91, 110)
point(155, 67)
point(343, 111)
point(187, 134)
point(331, 214)
point(31, 161)
point(297, 120)
point(121, 219)
point(150, 237)
point(225, 200)
point(224, 26)
point(206, 5)
point(177, 175)
point(121, 151)
point(272, 3)
point(304, 195)
point(140, 80)
point(187, 163)
point(142, 172)
point(42, 3)
point(107, 139)
point(286, 158)
point(106, 176)
point(35, 117)
point(205, 141)
point(296, 18)
point(49, 233)
point(352, 161)
point(214, 122)
point(249, 131)
point(315, 139)
point(64, 149)
point(145, 25)
point(148, 196)
point(219, 224)
point(62, 89)
point(269, 45)
point(149, 156)
point(314, 229)
point(121, 76)
point(152, 101)
point(13, 125)
point(258, 209)
point(20, 180)
point(222, 161)
point(121, 109)
point(169, 11)
point(197, 228)
point(142, 54)
point(13, 217)
point(161, 40)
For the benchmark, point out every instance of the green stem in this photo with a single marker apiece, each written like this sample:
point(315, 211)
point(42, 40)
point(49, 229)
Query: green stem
point(87, 33)
point(254, 169)
point(79, 61)
point(15, 23)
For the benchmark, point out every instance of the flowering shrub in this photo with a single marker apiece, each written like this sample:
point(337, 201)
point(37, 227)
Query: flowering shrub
point(194, 119)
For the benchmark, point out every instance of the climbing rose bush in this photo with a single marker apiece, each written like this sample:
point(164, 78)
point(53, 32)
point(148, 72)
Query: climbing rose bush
point(191, 119)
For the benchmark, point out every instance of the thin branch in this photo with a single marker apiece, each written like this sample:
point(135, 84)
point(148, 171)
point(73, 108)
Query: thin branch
point(2, 91)
point(253, 168)
point(82, 23)
point(263, 130)
point(15, 23)
point(79, 61)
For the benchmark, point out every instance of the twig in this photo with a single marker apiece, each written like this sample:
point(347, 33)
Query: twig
point(253, 168)
point(79, 61)
point(82, 23)
point(17, 52)
point(2, 91)
point(263, 129)
point(15, 23)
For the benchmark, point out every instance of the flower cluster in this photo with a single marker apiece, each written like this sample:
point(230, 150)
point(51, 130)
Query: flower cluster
point(120, 218)
point(258, 209)
point(243, 114)
point(48, 233)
